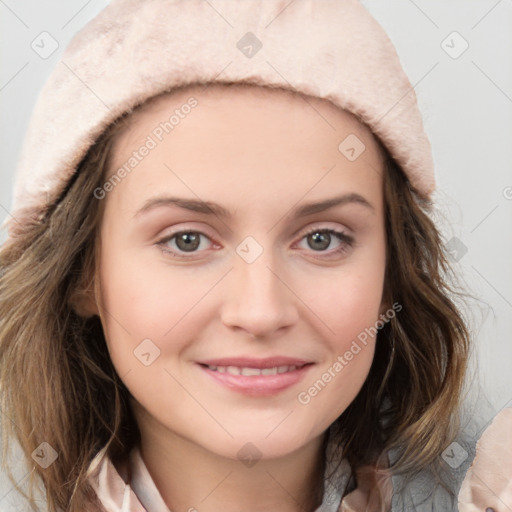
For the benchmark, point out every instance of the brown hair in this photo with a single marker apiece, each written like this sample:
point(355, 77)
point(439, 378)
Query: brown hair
point(59, 385)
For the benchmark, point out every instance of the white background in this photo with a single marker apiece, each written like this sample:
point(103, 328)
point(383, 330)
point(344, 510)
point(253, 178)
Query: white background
point(467, 107)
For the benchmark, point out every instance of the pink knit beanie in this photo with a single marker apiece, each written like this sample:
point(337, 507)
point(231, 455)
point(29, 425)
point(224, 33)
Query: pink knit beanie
point(136, 49)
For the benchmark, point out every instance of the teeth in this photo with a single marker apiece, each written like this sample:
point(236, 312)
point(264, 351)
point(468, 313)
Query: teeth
point(249, 372)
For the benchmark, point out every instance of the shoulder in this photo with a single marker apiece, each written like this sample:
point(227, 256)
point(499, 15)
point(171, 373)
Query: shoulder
point(435, 489)
point(488, 482)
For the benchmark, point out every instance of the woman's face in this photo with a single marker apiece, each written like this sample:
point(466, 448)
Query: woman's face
point(241, 265)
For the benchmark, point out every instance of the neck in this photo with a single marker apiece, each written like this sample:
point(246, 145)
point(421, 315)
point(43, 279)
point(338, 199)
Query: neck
point(191, 478)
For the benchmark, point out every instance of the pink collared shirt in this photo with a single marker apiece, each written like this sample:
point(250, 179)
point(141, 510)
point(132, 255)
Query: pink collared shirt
point(486, 487)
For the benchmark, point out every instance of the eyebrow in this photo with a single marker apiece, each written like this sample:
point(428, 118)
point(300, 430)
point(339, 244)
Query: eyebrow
point(211, 208)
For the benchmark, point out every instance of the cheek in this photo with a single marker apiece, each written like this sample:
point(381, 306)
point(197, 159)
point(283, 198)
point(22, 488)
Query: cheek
point(350, 312)
point(143, 302)
point(332, 387)
point(348, 303)
point(348, 300)
point(149, 317)
point(144, 291)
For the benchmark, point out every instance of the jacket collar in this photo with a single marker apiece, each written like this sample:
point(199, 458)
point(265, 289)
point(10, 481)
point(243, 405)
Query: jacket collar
point(128, 486)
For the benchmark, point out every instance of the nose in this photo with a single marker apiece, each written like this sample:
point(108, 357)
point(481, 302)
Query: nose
point(258, 298)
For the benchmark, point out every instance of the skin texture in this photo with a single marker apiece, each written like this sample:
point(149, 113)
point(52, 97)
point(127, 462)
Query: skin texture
point(261, 154)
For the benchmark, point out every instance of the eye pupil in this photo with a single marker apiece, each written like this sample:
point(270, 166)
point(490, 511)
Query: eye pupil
point(188, 241)
point(323, 238)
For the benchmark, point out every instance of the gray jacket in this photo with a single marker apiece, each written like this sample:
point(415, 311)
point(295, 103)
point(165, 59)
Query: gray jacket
point(417, 493)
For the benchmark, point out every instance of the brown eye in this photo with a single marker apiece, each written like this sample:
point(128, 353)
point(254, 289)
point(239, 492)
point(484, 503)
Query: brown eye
point(181, 242)
point(319, 240)
point(188, 241)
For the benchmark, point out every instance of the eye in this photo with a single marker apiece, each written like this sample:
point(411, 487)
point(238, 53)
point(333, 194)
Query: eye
point(186, 241)
point(189, 241)
point(320, 239)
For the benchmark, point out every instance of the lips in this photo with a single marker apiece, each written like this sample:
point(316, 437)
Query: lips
point(256, 377)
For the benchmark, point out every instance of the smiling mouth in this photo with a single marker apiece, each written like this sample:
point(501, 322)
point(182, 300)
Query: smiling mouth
point(247, 371)
point(266, 380)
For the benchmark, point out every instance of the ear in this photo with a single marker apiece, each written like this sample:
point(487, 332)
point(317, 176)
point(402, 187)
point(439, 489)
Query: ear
point(384, 307)
point(84, 303)
point(386, 304)
point(83, 298)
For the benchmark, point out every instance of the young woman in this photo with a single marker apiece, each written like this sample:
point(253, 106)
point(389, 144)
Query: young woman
point(222, 288)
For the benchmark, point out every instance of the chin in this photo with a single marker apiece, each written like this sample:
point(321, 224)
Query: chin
point(252, 445)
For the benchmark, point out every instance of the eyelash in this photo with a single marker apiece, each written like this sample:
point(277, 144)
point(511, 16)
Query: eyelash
point(346, 242)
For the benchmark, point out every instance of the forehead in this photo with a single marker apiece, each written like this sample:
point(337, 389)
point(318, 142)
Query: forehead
point(221, 96)
point(249, 141)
